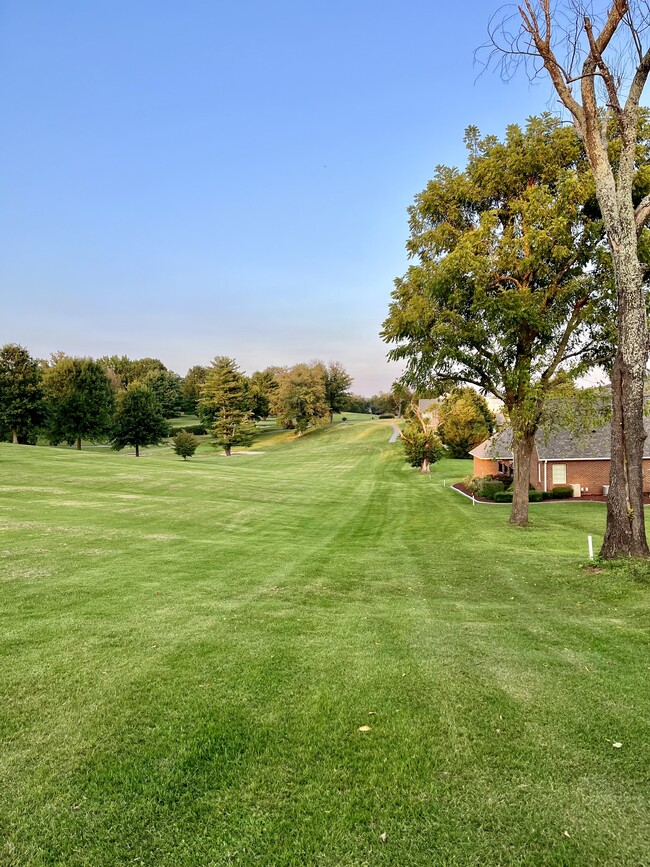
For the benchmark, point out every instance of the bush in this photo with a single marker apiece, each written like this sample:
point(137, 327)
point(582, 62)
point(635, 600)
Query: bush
point(546, 495)
point(386, 415)
point(185, 444)
point(344, 418)
point(535, 496)
point(562, 492)
point(489, 488)
point(198, 430)
point(503, 497)
point(474, 483)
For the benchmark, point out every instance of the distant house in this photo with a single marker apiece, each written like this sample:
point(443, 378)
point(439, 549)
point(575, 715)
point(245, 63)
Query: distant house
point(559, 459)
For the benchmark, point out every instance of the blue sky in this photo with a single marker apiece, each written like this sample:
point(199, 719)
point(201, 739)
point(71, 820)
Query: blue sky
point(184, 180)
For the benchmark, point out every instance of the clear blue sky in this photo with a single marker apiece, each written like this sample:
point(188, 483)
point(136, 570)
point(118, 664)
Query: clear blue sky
point(199, 178)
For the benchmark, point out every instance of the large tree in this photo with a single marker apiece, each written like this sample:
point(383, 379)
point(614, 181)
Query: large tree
point(166, 386)
point(225, 387)
point(191, 388)
point(599, 66)
point(300, 400)
point(21, 391)
point(261, 386)
point(139, 420)
point(503, 293)
point(79, 400)
point(337, 386)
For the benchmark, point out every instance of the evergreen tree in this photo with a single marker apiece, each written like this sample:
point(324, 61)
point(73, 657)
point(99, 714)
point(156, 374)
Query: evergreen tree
point(191, 387)
point(225, 388)
point(21, 391)
point(232, 427)
point(139, 420)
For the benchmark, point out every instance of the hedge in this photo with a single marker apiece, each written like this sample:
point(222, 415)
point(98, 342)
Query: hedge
point(489, 488)
point(562, 492)
point(503, 497)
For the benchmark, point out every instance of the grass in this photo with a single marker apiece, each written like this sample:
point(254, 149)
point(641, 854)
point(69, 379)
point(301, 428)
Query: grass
point(189, 650)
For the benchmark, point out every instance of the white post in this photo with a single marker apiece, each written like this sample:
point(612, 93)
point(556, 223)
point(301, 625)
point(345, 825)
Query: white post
point(473, 500)
point(444, 483)
point(590, 542)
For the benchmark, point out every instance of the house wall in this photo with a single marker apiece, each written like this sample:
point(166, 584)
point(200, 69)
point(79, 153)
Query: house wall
point(485, 468)
point(588, 474)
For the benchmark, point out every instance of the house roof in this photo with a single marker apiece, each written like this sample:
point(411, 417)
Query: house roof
point(562, 445)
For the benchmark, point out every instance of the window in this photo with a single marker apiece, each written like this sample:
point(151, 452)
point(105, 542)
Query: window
point(559, 474)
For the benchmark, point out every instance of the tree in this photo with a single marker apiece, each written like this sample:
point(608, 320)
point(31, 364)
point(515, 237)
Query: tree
point(337, 385)
point(225, 387)
point(464, 421)
point(261, 387)
point(599, 69)
point(139, 420)
point(166, 387)
point(21, 391)
point(191, 387)
point(79, 401)
point(506, 295)
point(232, 427)
point(422, 446)
point(300, 400)
point(400, 396)
point(185, 444)
point(129, 370)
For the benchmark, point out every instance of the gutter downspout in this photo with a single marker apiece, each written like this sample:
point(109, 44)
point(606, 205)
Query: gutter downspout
point(545, 471)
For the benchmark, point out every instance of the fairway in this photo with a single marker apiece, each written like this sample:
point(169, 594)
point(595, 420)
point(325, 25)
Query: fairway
point(189, 650)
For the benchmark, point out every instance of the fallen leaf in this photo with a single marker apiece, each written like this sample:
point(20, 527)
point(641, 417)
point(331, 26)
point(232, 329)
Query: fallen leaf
point(364, 728)
point(566, 834)
point(372, 713)
point(617, 745)
point(382, 837)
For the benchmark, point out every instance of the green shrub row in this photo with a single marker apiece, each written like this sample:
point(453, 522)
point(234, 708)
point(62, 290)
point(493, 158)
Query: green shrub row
point(196, 429)
point(506, 496)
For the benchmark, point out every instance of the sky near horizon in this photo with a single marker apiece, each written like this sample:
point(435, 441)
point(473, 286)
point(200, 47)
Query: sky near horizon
point(185, 180)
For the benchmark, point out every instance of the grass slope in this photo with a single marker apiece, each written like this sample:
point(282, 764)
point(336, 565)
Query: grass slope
point(189, 650)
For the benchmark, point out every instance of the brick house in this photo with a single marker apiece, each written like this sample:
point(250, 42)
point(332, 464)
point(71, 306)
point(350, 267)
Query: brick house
point(559, 459)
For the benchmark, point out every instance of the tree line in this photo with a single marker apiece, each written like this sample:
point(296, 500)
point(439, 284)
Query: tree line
point(127, 401)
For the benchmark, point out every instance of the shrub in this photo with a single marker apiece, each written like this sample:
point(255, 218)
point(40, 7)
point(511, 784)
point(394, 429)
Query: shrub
point(344, 418)
point(546, 495)
point(489, 488)
point(561, 492)
point(503, 497)
point(475, 483)
point(198, 430)
point(184, 444)
point(386, 415)
point(535, 496)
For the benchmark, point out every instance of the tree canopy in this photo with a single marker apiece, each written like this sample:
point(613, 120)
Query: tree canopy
point(300, 400)
point(465, 421)
point(509, 289)
point(79, 400)
point(139, 420)
point(21, 391)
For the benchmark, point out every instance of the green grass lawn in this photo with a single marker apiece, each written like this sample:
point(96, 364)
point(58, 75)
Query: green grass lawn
point(190, 649)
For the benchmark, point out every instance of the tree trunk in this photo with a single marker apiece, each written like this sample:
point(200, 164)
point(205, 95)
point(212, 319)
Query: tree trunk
point(227, 450)
point(14, 436)
point(625, 533)
point(426, 466)
point(137, 451)
point(79, 444)
point(522, 450)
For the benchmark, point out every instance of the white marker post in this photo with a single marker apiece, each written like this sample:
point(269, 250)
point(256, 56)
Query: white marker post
point(590, 543)
point(473, 500)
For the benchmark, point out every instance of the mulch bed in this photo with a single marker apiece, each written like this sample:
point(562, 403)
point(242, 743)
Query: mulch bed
point(591, 498)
